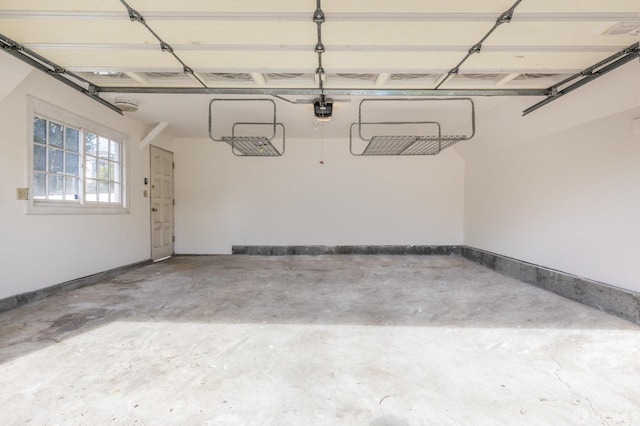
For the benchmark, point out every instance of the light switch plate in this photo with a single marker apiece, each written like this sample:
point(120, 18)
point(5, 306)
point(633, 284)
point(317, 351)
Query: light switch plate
point(22, 193)
point(635, 126)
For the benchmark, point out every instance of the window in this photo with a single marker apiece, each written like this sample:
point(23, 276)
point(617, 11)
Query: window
point(56, 161)
point(103, 170)
point(77, 165)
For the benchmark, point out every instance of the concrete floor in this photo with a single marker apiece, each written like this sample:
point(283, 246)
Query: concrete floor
point(354, 340)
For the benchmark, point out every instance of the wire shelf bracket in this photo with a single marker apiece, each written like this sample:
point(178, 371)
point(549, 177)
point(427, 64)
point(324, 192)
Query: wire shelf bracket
point(398, 144)
point(433, 138)
point(254, 145)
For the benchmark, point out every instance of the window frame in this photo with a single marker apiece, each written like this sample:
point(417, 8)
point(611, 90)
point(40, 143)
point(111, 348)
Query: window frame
point(97, 158)
point(41, 109)
point(48, 149)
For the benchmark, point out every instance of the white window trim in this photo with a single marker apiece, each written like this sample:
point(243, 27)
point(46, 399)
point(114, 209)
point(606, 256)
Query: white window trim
point(37, 107)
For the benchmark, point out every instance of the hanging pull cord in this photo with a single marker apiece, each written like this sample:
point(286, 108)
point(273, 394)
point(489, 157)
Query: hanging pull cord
point(322, 142)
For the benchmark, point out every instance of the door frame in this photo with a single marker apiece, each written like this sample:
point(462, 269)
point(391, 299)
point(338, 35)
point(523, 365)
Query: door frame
point(150, 206)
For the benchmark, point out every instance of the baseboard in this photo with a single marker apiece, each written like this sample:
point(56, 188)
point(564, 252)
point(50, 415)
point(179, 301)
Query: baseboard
point(339, 250)
point(32, 296)
point(613, 300)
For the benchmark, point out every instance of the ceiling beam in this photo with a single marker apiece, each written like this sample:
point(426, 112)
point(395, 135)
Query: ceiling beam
point(153, 134)
point(441, 79)
point(258, 78)
point(382, 78)
point(334, 48)
point(328, 92)
point(137, 77)
point(303, 17)
point(507, 78)
point(305, 70)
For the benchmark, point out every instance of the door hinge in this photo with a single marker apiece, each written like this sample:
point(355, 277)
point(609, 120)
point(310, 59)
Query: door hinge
point(174, 201)
point(173, 165)
point(173, 238)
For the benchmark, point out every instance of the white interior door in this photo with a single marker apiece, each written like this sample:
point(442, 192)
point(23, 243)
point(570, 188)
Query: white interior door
point(161, 203)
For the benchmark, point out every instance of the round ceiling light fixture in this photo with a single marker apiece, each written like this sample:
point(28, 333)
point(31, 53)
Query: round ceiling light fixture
point(126, 105)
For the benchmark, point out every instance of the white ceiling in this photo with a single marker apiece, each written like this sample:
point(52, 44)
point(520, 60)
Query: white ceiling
point(370, 44)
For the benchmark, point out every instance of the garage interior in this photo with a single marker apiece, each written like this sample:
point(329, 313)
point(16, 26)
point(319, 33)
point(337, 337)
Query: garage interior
point(320, 212)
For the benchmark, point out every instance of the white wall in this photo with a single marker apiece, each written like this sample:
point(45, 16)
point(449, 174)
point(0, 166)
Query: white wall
point(560, 188)
point(560, 192)
point(222, 200)
point(12, 72)
point(42, 250)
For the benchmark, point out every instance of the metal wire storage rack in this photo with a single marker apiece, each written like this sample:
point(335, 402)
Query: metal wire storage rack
point(403, 144)
point(254, 145)
point(398, 144)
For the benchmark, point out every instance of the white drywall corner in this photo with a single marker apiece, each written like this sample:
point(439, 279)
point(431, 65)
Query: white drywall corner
point(153, 134)
point(12, 73)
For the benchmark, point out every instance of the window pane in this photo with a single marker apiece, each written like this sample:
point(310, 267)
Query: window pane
point(39, 158)
point(103, 192)
point(55, 134)
point(90, 190)
point(115, 192)
point(91, 168)
point(55, 161)
point(71, 140)
point(71, 188)
point(103, 169)
point(71, 163)
point(39, 130)
point(114, 174)
point(56, 187)
point(91, 144)
point(40, 186)
point(103, 147)
point(115, 151)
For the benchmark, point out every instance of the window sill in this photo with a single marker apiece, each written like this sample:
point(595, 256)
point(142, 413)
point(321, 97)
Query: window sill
point(37, 208)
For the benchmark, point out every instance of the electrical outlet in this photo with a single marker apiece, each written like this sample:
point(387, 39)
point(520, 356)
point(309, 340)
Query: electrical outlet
point(22, 193)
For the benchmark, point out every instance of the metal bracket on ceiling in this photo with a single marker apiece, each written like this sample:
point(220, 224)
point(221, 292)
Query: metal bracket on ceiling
point(410, 144)
point(136, 16)
point(165, 47)
point(58, 70)
point(504, 18)
point(586, 76)
point(323, 107)
point(250, 145)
